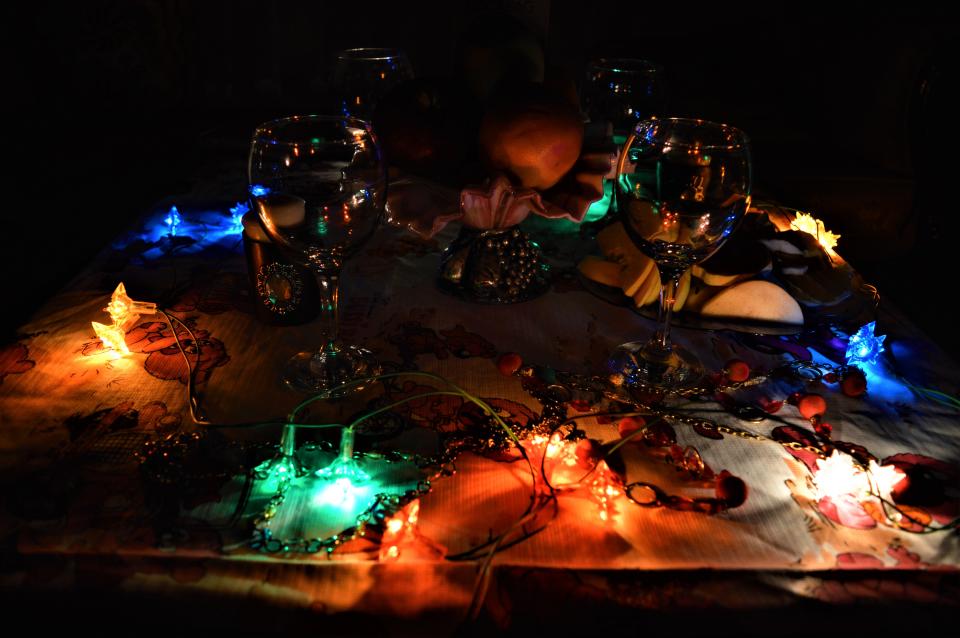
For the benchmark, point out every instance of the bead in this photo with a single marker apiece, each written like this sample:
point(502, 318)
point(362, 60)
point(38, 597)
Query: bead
point(770, 407)
point(811, 405)
point(588, 453)
point(660, 434)
point(731, 489)
point(630, 424)
point(580, 405)
point(508, 363)
point(736, 371)
point(854, 383)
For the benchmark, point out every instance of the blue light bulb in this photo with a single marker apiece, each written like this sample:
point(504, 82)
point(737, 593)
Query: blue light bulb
point(864, 347)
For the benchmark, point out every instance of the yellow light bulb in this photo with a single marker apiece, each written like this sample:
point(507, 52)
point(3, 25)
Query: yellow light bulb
point(112, 337)
point(809, 224)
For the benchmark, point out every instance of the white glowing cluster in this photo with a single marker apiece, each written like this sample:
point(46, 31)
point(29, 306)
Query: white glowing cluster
point(840, 475)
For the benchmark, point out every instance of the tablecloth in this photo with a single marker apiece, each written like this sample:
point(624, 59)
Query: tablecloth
point(73, 418)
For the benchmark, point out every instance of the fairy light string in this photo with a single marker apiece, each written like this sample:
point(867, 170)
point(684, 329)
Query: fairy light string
point(544, 490)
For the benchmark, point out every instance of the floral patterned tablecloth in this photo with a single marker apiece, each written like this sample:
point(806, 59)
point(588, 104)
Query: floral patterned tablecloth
point(73, 418)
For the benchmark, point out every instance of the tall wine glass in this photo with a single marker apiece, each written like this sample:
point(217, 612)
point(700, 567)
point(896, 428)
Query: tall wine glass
point(618, 93)
point(363, 76)
point(682, 187)
point(319, 185)
point(623, 91)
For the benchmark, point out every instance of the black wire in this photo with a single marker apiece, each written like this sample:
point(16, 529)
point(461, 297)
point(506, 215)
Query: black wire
point(192, 401)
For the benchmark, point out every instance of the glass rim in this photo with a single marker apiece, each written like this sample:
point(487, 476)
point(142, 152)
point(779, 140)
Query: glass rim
point(371, 53)
point(625, 65)
point(742, 140)
point(263, 130)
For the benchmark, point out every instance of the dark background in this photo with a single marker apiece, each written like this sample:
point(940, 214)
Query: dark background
point(116, 105)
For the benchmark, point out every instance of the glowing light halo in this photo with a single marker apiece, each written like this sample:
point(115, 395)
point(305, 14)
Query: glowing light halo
point(124, 313)
point(864, 346)
point(807, 223)
point(839, 475)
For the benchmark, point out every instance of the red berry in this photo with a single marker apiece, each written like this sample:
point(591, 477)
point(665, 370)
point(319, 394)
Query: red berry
point(830, 377)
point(770, 407)
point(731, 489)
point(659, 434)
point(854, 383)
point(508, 363)
point(811, 405)
point(794, 398)
point(736, 371)
point(675, 454)
point(630, 424)
point(823, 429)
point(588, 453)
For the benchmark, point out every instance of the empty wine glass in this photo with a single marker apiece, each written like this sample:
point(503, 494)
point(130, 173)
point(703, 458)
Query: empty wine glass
point(319, 185)
point(618, 93)
point(623, 91)
point(363, 76)
point(683, 185)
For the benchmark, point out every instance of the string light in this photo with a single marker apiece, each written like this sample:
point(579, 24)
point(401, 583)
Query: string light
point(237, 211)
point(173, 220)
point(344, 494)
point(839, 475)
point(124, 313)
point(807, 223)
point(864, 346)
point(112, 338)
point(398, 529)
point(604, 490)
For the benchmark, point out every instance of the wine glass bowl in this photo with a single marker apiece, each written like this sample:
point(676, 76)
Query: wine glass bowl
point(683, 185)
point(623, 91)
point(318, 184)
point(363, 76)
point(618, 93)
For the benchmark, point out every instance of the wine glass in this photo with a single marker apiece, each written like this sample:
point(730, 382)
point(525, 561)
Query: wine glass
point(682, 187)
point(618, 93)
point(623, 91)
point(363, 76)
point(319, 184)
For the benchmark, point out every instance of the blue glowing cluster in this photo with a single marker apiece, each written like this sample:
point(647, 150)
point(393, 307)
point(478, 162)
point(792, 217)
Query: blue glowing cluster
point(865, 347)
point(236, 216)
point(173, 221)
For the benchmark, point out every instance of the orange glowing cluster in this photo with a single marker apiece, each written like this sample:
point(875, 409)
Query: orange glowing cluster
point(398, 529)
point(124, 313)
point(604, 490)
point(565, 472)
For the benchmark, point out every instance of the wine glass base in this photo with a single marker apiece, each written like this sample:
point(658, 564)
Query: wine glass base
point(316, 372)
point(640, 364)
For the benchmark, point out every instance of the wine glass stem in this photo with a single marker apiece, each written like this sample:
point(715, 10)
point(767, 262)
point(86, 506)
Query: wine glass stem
point(669, 282)
point(328, 282)
point(288, 440)
point(347, 437)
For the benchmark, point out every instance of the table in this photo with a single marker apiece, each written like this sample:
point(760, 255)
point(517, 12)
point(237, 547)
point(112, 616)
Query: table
point(77, 522)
